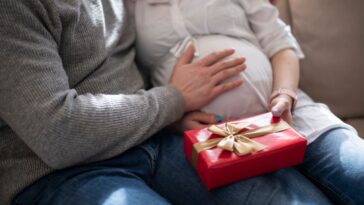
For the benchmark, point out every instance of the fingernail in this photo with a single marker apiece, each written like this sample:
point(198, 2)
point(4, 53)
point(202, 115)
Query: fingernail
point(276, 112)
point(230, 49)
point(218, 118)
point(239, 59)
point(189, 44)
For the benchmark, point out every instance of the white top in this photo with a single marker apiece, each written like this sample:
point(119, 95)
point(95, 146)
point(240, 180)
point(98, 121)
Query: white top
point(252, 27)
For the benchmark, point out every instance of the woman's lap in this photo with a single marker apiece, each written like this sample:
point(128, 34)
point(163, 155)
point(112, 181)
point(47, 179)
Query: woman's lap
point(335, 163)
point(177, 181)
point(160, 164)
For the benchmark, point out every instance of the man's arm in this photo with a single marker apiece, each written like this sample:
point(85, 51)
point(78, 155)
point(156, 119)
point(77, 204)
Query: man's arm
point(65, 128)
point(60, 125)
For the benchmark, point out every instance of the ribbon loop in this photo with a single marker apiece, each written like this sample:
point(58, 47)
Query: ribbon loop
point(227, 143)
point(243, 148)
point(238, 144)
point(242, 144)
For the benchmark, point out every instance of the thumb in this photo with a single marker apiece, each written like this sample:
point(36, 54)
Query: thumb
point(187, 55)
point(278, 109)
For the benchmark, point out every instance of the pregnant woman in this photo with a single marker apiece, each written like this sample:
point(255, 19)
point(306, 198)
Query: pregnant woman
point(167, 28)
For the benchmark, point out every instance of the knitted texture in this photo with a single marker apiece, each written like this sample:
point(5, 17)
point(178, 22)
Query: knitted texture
point(70, 92)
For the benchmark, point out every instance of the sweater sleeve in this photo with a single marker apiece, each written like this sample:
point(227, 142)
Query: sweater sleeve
point(62, 127)
point(273, 34)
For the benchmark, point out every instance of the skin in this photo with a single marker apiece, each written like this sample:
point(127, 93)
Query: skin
point(285, 65)
point(200, 82)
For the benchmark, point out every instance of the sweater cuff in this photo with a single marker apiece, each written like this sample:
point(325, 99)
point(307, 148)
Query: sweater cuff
point(171, 103)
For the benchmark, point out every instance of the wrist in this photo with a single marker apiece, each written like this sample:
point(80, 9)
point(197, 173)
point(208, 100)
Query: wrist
point(182, 96)
point(288, 94)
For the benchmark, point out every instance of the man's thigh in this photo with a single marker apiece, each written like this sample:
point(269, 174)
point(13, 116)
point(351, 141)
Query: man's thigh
point(177, 181)
point(120, 180)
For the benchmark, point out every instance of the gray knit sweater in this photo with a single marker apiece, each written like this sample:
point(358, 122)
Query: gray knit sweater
point(70, 92)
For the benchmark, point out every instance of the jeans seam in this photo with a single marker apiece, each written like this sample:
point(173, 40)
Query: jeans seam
point(153, 155)
point(248, 197)
point(153, 159)
point(343, 197)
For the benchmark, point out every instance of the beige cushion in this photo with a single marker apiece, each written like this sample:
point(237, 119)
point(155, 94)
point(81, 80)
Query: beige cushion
point(358, 124)
point(284, 11)
point(331, 34)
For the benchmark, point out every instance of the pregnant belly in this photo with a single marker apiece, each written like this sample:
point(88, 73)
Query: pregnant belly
point(251, 97)
point(248, 99)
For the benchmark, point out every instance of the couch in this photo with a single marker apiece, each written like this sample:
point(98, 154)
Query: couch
point(331, 34)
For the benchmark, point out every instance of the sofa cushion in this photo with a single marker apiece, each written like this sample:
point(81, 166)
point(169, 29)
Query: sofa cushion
point(331, 34)
point(284, 12)
point(358, 123)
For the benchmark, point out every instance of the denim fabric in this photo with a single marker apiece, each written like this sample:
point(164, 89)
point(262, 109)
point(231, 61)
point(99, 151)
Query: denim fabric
point(335, 163)
point(157, 172)
point(120, 180)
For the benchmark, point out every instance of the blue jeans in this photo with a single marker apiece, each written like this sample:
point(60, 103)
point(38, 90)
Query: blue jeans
point(157, 172)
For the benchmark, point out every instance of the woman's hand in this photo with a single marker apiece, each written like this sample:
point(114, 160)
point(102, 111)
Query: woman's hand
point(281, 106)
point(286, 68)
point(195, 120)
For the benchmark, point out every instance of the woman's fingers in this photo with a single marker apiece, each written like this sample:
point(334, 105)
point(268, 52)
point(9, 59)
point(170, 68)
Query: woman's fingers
point(194, 120)
point(282, 105)
point(287, 116)
point(281, 108)
point(204, 118)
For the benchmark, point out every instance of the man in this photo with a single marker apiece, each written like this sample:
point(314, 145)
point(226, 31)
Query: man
point(76, 126)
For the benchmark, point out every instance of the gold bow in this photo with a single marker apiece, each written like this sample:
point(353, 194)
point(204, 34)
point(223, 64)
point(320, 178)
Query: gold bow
point(232, 142)
point(236, 141)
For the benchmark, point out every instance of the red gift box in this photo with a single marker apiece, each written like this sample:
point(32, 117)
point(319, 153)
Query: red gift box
point(217, 167)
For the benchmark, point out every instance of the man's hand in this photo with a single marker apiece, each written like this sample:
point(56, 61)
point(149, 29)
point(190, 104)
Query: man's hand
point(201, 81)
point(195, 120)
point(281, 106)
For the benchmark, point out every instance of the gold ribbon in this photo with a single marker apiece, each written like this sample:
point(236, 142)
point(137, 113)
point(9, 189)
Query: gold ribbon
point(234, 140)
